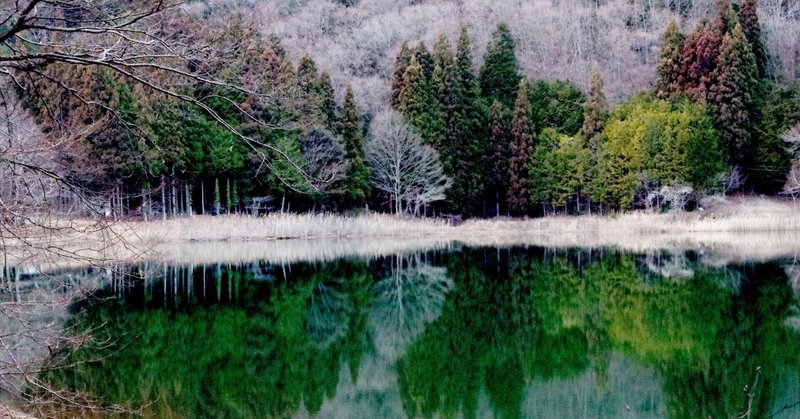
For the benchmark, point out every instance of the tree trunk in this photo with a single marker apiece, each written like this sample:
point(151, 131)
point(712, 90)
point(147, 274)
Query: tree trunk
point(163, 200)
point(188, 200)
point(202, 197)
point(145, 204)
point(174, 205)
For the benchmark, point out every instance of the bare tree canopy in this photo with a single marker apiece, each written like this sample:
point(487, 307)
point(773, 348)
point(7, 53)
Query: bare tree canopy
point(403, 167)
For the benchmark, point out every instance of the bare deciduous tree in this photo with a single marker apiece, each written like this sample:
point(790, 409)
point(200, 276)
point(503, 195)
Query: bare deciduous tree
point(323, 161)
point(403, 167)
point(792, 185)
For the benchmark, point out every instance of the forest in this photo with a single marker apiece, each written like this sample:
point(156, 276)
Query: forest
point(252, 130)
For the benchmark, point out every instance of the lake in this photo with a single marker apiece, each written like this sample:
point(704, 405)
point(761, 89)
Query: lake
point(451, 332)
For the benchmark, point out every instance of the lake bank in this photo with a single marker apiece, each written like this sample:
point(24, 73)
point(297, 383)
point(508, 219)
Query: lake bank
point(735, 229)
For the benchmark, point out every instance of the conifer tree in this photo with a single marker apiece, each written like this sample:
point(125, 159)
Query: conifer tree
point(415, 100)
point(735, 92)
point(748, 18)
point(228, 195)
point(497, 156)
point(400, 66)
point(425, 59)
point(443, 53)
point(235, 197)
point(327, 102)
point(499, 75)
point(307, 75)
point(356, 183)
point(464, 150)
point(595, 110)
point(669, 66)
point(217, 197)
point(521, 145)
point(440, 87)
point(699, 58)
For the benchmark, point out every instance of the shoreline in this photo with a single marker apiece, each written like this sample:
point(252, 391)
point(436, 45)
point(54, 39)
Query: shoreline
point(751, 228)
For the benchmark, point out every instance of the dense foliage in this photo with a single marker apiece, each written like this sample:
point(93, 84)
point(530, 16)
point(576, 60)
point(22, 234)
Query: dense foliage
point(507, 145)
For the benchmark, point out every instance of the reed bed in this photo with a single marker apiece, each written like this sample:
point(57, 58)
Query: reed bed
point(285, 226)
point(741, 230)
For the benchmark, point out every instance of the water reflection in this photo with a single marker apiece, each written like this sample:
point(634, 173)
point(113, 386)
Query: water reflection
point(514, 332)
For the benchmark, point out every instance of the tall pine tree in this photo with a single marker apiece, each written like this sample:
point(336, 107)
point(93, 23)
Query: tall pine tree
point(416, 101)
point(669, 65)
point(595, 110)
point(327, 103)
point(497, 157)
point(734, 93)
point(499, 75)
point(356, 183)
point(464, 145)
point(400, 66)
point(521, 146)
point(748, 18)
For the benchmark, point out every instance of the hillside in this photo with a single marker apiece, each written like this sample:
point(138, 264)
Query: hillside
point(557, 39)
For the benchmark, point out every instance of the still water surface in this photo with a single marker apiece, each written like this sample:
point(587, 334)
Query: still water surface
point(472, 332)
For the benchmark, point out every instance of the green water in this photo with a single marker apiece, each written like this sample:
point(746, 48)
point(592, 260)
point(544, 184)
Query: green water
point(467, 333)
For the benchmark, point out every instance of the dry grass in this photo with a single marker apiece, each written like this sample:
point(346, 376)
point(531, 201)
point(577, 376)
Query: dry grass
point(733, 229)
point(284, 226)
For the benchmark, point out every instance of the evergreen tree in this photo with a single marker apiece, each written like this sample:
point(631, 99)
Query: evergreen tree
point(595, 110)
point(416, 101)
point(217, 197)
point(425, 60)
point(499, 75)
point(779, 110)
point(748, 18)
point(307, 75)
point(669, 66)
point(400, 65)
point(443, 53)
point(463, 151)
point(228, 195)
point(699, 58)
point(556, 104)
point(497, 156)
point(440, 86)
point(327, 102)
point(356, 183)
point(521, 145)
point(734, 93)
point(235, 197)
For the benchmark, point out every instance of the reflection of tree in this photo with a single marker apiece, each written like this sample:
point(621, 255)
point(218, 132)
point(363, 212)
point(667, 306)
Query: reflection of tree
point(704, 338)
point(473, 331)
point(329, 310)
point(405, 301)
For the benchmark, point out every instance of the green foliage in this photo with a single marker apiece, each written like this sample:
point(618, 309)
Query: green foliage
point(651, 143)
point(497, 156)
point(327, 102)
point(417, 104)
point(556, 104)
point(748, 18)
point(734, 94)
point(398, 73)
point(217, 197)
point(595, 109)
point(356, 183)
point(499, 76)
point(770, 160)
point(559, 169)
point(519, 159)
point(669, 66)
